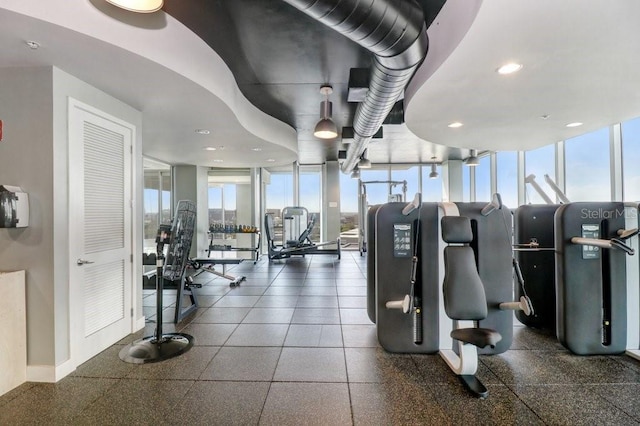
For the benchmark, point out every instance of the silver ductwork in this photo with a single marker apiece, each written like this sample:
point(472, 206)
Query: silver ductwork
point(395, 32)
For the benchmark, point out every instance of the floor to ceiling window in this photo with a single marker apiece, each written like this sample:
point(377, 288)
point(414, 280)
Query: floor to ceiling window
point(466, 184)
point(507, 177)
point(631, 159)
point(587, 167)
point(157, 201)
point(349, 218)
point(431, 186)
point(310, 188)
point(539, 162)
point(483, 179)
point(278, 194)
point(408, 174)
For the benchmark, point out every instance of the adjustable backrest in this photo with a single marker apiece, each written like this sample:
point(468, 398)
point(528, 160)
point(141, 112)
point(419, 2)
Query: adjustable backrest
point(464, 297)
point(307, 232)
point(269, 229)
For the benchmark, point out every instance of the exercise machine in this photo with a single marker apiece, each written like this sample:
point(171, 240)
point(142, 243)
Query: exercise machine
point(177, 237)
point(535, 252)
point(476, 272)
point(301, 246)
point(363, 206)
point(591, 277)
point(465, 303)
point(405, 289)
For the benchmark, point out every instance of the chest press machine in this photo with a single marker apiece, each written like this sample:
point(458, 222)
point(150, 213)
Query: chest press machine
point(461, 282)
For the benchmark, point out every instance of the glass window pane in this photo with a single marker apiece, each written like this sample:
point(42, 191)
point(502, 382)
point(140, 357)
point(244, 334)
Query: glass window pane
point(279, 192)
point(631, 159)
point(539, 162)
point(215, 205)
point(588, 176)
point(507, 177)
point(483, 179)
point(348, 212)
point(410, 175)
point(377, 193)
point(466, 184)
point(431, 187)
point(310, 179)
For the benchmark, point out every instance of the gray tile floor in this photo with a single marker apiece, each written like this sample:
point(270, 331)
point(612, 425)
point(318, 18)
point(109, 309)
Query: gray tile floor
point(293, 346)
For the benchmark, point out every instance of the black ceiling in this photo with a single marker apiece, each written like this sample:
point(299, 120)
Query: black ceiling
point(280, 57)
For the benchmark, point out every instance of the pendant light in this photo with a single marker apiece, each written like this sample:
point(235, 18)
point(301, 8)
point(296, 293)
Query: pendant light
point(139, 6)
point(326, 128)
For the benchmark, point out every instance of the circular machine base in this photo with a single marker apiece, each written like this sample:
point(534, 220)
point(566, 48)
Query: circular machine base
point(150, 349)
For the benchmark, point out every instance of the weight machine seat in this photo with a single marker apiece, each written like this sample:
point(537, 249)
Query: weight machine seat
point(463, 291)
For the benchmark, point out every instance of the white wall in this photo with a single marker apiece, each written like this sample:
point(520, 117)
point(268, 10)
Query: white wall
point(26, 153)
point(33, 155)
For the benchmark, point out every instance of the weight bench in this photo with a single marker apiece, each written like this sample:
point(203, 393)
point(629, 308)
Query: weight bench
point(206, 265)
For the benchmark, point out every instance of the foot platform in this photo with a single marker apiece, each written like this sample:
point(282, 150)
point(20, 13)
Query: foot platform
point(474, 386)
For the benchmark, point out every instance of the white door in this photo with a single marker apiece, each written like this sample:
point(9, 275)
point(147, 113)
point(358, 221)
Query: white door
point(100, 230)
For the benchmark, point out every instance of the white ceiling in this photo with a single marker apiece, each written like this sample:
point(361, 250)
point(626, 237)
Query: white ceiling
point(581, 63)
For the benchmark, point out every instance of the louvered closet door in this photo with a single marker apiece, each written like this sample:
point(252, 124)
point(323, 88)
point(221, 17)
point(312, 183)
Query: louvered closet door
point(100, 230)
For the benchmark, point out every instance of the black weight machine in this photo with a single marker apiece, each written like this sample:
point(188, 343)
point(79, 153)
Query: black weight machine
point(178, 237)
point(302, 246)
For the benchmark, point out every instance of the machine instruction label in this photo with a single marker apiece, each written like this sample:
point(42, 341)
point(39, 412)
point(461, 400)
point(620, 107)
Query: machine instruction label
point(402, 240)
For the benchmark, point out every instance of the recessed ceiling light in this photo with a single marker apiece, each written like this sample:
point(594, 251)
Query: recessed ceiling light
point(455, 125)
point(270, 160)
point(217, 160)
point(257, 149)
point(32, 44)
point(576, 124)
point(210, 148)
point(203, 131)
point(509, 68)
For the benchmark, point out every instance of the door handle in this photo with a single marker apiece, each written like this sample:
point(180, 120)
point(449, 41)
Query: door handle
point(81, 262)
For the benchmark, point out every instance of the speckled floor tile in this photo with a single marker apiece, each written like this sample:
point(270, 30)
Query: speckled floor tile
point(354, 316)
point(320, 281)
point(375, 365)
point(133, 401)
point(282, 301)
point(106, 364)
point(317, 302)
point(395, 403)
point(258, 335)
point(248, 290)
point(571, 405)
point(352, 302)
point(318, 291)
point(243, 364)
point(230, 301)
point(359, 336)
point(501, 407)
point(307, 404)
point(526, 367)
point(49, 403)
point(269, 316)
point(311, 365)
point(220, 403)
point(352, 291)
point(188, 366)
point(314, 335)
point(210, 334)
point(282, 291)
point(623, 395)
point(215, 315)
point(316, 316)
point(593, 369)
